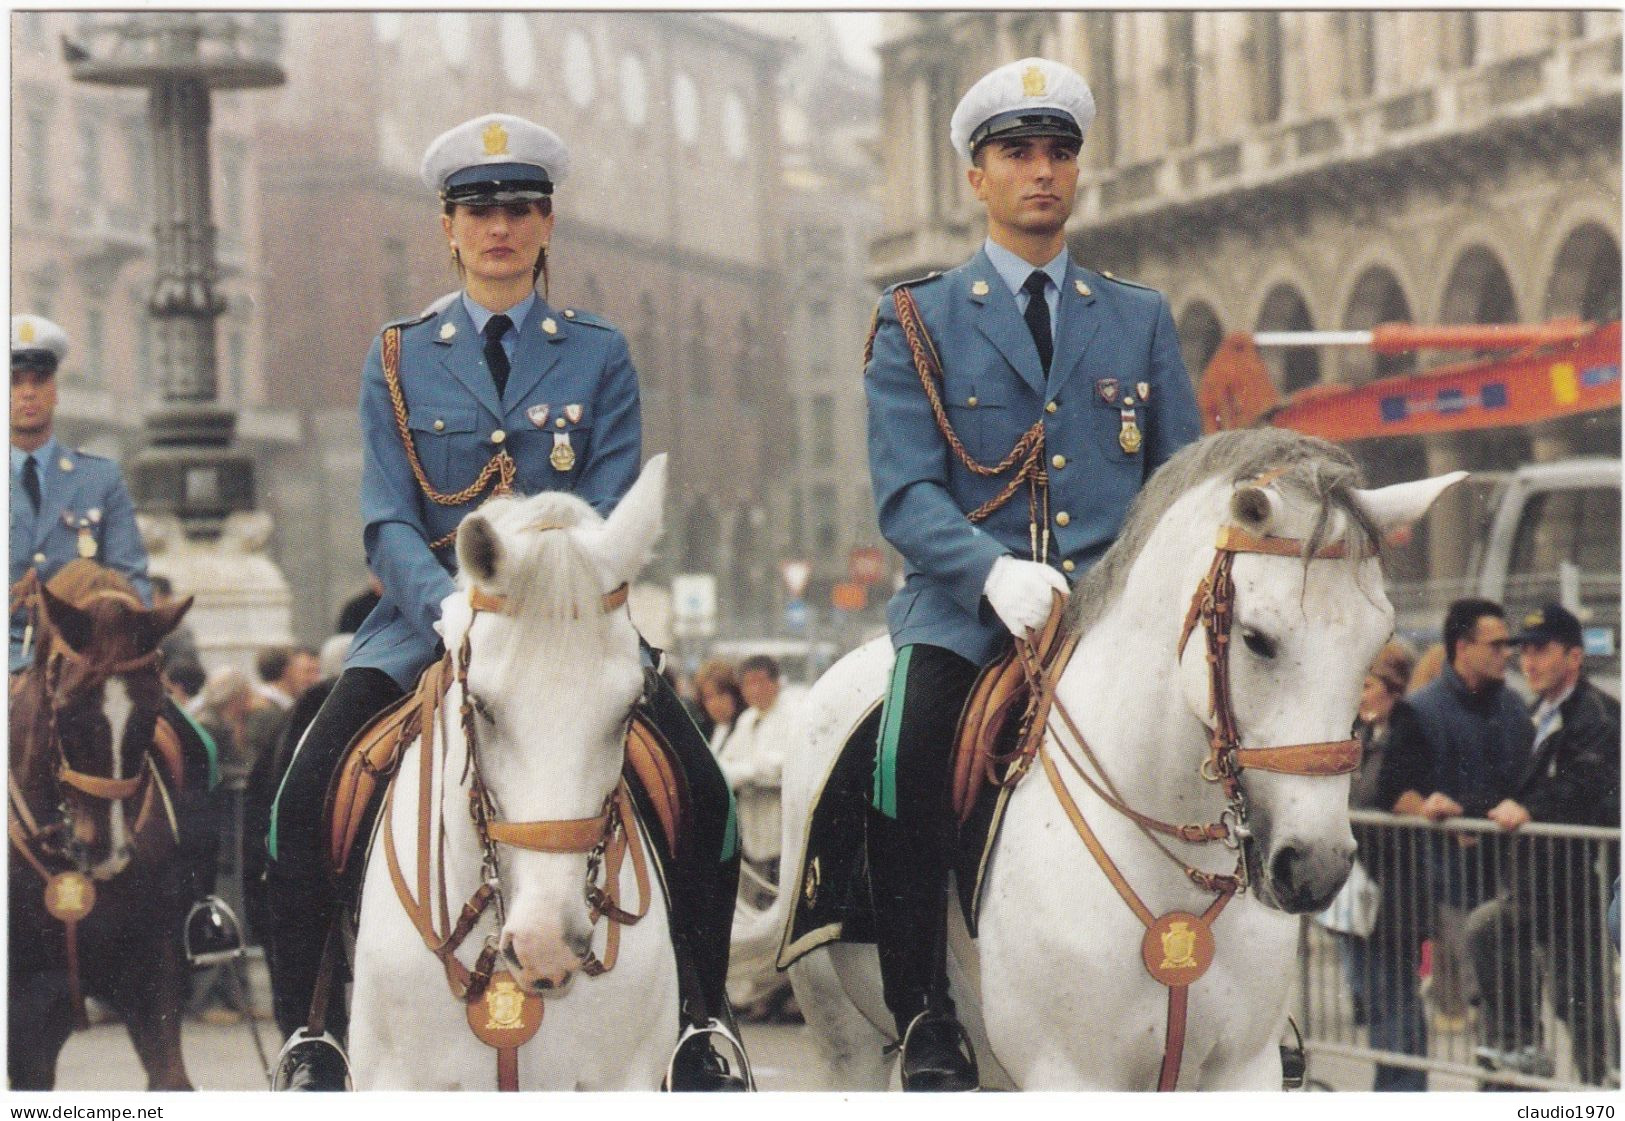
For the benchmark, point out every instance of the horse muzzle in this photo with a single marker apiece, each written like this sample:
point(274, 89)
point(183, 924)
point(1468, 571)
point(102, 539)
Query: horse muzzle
point(545, 960)
point(1297, 878)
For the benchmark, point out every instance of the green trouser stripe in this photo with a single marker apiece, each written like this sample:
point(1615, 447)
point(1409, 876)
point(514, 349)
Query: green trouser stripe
point(885, 794)
point(210, 748)
point(730, 837)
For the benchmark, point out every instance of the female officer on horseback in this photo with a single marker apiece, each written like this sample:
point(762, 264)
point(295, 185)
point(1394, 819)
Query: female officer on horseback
point(490, 391)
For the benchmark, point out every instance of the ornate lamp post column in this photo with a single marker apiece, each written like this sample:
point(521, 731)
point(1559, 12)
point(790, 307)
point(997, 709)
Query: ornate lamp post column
point(195, 490)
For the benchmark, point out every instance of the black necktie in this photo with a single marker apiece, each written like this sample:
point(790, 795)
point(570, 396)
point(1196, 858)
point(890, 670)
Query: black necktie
point(495, 356)
point(1037, 316)
point(31, 482)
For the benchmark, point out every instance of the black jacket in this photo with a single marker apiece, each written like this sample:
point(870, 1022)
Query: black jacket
point(1573, 777)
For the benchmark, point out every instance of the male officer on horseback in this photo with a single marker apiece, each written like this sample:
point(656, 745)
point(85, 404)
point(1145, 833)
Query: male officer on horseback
point(489, 391)
point(1016, 405)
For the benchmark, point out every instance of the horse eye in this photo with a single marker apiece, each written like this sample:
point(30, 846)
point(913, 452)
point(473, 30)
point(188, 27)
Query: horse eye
point(1260, 644)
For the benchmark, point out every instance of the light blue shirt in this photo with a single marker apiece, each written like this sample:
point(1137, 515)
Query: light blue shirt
point(516, 314)
point(1014, 272)
point(42, 456)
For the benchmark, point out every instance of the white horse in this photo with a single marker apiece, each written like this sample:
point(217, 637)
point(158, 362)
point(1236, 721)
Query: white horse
point(1056, 991)
point(552, 672)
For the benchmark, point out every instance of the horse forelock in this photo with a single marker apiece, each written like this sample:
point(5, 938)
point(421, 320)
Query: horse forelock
point(1317, 472)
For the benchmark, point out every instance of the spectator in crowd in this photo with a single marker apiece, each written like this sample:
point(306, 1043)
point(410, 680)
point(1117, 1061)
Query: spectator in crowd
point(1474, 734)
point(285, 673)
point(227, 699)
point(359, 606)
point(184, 678)
point(751, 755)
point(1384, 686)
point(180, 643)
point(1553, 888)
point(717, 689)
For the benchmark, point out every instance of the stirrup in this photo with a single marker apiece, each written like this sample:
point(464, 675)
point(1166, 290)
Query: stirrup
point(1294, 1063)
point(964, 1039)
point(711, 1027)
point(211, 920)
point(283, 1070)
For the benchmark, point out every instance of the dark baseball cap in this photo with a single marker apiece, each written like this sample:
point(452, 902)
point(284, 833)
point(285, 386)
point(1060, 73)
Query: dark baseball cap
point(1552, 623)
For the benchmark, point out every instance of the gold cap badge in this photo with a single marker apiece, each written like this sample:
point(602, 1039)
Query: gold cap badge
point(25, 331)
point(495, 138)
point(1032, 82)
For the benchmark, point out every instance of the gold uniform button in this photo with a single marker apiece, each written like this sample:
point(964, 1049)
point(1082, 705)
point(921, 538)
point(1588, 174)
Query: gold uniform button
point(498, 436)
point(971, 401)
point(1051, 407)
point(1058, 462)
point(559, 423)
point(1067, 566)
point(39, 558)
point(1063, 518)
point(439, 426)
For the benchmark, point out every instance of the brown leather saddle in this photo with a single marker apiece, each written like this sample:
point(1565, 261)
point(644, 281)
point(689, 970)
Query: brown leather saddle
point(1000, 729)
point(371, 760)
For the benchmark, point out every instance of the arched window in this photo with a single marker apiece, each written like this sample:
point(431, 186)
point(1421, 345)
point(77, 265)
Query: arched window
point(1377, 298)
point(1291, 368)
point(1479, 291)
point(1585, 278)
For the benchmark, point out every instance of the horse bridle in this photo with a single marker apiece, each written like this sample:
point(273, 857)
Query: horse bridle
point(607, 838)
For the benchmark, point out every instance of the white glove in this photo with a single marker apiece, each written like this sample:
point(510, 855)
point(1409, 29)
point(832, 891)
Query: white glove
point(1022, 593)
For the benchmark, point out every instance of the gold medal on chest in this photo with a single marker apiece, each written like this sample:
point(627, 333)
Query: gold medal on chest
point(69, 896)
point(87, 543)
point(563, 456)
point(1178, 948)
point(1129, 437)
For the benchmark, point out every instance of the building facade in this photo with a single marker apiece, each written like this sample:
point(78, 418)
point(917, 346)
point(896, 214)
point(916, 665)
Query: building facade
point(1275, 170)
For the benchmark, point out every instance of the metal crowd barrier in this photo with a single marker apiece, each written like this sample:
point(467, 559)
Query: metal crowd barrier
point(1485, 957)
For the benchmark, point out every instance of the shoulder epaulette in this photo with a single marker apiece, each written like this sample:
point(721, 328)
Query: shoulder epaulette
point(408, 320)
point(1126, 283)
point(91, 455)
point(576, 315)
point(934, 274)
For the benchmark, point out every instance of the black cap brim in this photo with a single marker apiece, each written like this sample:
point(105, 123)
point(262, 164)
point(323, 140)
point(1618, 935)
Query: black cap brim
point(497, 193)
point(40, 361)
point(1019, 124)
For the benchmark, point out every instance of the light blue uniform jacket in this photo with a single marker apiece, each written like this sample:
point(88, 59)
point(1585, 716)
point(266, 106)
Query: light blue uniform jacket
point(78, 491)
point(576, 383)
point(1107, 343)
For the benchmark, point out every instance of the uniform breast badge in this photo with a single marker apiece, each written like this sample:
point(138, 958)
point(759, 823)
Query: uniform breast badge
point(538, 414)
point(1177, 948)
point(1128, 438)
point(87, 543)
point(70, 896)
point(563, 456)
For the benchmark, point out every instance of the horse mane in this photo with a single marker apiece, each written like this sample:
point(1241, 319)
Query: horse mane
point(552, 583)
point(1320, 471)
point(80, 579)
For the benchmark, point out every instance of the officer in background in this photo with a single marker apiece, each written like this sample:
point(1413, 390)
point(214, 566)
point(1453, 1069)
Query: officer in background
point(491, 389)
point(65, 503)
point(1059, 390)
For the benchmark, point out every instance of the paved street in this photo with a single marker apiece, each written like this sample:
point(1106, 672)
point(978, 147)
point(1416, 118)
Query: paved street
point(223, 1057)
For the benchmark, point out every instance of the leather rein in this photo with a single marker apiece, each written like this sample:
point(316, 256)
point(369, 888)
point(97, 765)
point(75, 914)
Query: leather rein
point(1178, 946)
point(500, 1014)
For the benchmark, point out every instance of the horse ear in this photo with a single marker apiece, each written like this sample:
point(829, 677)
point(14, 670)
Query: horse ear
point(626, 541)
point(1254, 507)
point(1400, 505)
point(479, 549)
point(73, 625)
point(161, 620)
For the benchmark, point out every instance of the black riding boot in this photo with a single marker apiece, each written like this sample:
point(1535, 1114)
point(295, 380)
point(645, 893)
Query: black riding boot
point(909, 856)
point(300, 895)
point(704, 886)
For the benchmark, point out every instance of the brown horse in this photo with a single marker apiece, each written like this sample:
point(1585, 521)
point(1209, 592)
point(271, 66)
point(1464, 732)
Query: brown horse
point(97, 892)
